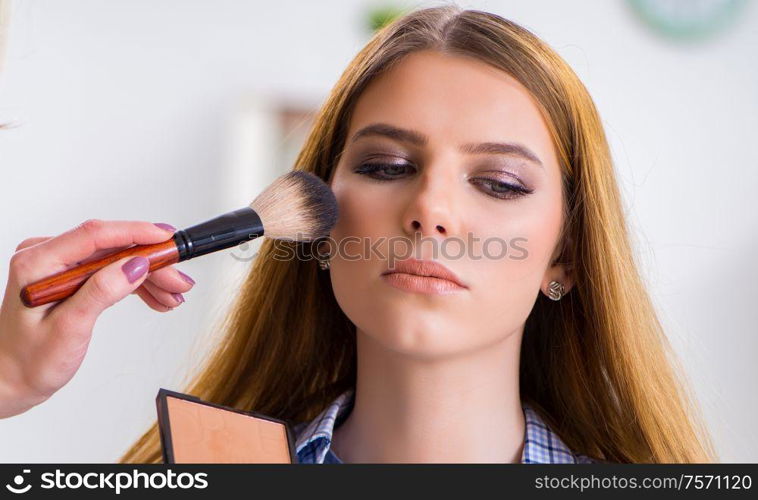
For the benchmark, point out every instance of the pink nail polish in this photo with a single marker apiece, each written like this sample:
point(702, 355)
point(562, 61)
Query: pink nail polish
point(166, 227)
point(186, 278)
point(134, 268)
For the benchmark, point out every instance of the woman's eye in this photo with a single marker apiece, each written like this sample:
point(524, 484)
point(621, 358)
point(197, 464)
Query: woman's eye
point(500, 189)
point(383, 171)
point(493, 187)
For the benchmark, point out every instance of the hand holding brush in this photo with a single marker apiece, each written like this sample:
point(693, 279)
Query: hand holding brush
point(42, 343)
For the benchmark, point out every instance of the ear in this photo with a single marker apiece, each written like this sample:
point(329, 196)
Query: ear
point(324, 246)
point(562, 269)
point(562, 273)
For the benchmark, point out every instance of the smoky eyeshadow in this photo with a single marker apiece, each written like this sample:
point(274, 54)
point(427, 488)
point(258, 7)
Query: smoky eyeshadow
point(504, 174)
point(501, 167)
point(384, 154)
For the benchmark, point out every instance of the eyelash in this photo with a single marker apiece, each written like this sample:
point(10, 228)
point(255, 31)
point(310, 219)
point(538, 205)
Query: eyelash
point(513, 191)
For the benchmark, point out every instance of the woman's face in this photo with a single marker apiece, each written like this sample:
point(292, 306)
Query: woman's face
point(461, 171)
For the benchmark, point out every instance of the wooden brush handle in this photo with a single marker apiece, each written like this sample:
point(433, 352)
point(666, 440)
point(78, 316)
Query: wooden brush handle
point(66, 283)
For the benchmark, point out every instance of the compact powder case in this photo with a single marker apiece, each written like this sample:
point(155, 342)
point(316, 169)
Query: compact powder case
point(195, 431)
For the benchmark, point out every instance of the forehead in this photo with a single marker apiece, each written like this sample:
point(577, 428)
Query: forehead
point(454, 98)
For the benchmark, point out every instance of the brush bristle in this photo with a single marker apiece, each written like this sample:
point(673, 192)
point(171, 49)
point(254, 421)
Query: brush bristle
point(298, 206)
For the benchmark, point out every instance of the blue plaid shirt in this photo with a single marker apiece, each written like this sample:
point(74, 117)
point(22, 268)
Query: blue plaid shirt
point(313, 439)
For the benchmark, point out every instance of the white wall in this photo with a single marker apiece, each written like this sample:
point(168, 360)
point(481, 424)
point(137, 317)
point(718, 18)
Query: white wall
point(126, 110)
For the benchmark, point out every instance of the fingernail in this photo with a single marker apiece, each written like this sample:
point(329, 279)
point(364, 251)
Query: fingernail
point(186, 278)
point(178, 297)
point(135, 268)
point(164, 226)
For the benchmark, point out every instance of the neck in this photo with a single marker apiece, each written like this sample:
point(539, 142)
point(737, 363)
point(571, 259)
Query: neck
point(454, 410)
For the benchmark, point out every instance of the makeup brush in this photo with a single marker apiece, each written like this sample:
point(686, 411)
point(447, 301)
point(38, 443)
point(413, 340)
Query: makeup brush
point(297, 206)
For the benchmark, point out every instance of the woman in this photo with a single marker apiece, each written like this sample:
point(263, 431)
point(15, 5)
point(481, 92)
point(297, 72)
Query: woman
point(455, 126)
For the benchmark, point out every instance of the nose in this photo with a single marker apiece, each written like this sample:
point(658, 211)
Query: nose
point(431, 211)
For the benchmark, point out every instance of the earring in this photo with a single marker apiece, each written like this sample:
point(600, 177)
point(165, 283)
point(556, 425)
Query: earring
point(556, 290)
point(323, 262)
point(322, 258)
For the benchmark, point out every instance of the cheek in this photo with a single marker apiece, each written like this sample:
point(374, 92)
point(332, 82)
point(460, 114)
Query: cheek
point(354, 270)
point(354, 216)
point(520, 238)
point(363, 211)
point(515, 249)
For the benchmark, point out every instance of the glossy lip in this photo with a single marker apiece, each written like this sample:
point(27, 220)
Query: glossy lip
point(424, 276)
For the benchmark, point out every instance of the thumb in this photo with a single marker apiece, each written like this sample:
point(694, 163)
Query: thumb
point(104, 288)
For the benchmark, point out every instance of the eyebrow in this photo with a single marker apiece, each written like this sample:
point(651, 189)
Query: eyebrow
point(418, 139)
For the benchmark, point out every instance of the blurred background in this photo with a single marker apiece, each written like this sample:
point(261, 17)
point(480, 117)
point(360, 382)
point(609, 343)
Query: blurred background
point(176, 111)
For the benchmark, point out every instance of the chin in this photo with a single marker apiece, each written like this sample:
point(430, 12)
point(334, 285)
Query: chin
point(416, 336)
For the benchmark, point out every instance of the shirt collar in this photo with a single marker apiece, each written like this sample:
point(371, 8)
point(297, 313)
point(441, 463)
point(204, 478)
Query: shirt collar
point(541, 444)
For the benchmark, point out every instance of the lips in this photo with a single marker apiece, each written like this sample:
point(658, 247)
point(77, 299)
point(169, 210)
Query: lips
point(425, 268)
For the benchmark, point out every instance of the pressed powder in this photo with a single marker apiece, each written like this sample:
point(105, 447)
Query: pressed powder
point(195, 431)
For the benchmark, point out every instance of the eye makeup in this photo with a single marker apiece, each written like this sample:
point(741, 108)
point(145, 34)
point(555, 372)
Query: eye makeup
point(501, 189)
point(382, 171)
point(493, 185)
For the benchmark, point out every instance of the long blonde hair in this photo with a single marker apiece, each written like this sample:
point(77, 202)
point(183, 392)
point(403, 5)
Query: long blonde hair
point(596, 365)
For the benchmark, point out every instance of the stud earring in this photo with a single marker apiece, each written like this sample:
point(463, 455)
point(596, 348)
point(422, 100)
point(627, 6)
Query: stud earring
point(323, 263)
point(322, 258)
point(556, 290)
